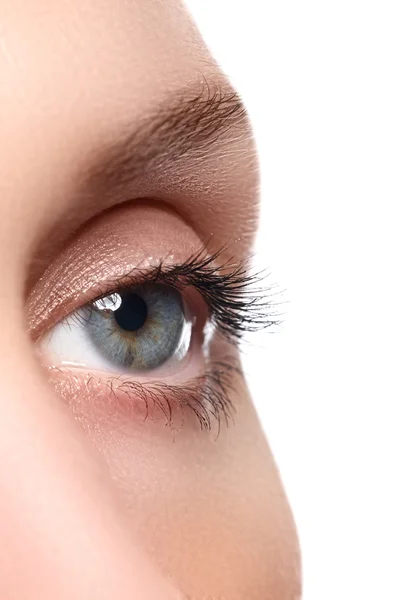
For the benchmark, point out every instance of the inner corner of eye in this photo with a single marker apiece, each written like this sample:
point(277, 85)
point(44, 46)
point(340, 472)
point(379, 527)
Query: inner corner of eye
point(141, 329)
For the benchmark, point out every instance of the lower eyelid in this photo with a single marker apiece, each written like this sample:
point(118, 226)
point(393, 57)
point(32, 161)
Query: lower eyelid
point(203, 402)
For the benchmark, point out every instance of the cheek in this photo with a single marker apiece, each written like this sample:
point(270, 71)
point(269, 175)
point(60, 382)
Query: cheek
point(208, 508)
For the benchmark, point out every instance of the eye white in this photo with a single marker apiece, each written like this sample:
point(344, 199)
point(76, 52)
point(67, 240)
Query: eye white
point(67, 344)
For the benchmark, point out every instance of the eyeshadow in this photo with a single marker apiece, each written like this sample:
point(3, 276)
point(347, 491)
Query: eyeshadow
point(128, 237)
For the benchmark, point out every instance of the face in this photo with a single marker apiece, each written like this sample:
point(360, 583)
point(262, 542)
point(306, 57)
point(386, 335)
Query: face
point(133, 463)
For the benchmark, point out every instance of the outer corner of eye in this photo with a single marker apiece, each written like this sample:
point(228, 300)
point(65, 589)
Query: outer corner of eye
point(139, 329)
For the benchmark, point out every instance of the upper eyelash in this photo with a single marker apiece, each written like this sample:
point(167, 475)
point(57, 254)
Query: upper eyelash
point(236, 302)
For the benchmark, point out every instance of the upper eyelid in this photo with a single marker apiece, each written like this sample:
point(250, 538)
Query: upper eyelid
point(236, 305)
point(161, 272)
point(135, 277)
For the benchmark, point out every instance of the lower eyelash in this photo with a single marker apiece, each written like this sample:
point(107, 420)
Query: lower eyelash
point(206, 396)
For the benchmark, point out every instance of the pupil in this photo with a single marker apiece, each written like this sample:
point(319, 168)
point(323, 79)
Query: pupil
point(132, 313)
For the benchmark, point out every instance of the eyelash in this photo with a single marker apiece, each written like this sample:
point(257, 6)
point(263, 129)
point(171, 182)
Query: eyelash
point(206, 396)
point(237, 304)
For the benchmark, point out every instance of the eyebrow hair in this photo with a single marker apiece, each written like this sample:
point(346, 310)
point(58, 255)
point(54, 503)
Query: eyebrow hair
point(188, 124)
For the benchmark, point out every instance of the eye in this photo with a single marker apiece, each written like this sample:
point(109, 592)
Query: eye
point(165, 346)
point(136, 329)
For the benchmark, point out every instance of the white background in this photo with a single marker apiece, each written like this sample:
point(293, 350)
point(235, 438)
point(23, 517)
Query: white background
point(321, 82)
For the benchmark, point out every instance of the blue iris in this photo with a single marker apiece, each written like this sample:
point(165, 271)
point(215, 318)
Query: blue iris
point(139, 328)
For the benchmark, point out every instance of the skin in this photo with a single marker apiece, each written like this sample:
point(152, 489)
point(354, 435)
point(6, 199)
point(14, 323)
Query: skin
point(94, 502)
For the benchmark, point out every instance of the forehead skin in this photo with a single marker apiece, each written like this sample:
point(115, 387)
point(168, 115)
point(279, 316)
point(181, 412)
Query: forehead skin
point(75, 76)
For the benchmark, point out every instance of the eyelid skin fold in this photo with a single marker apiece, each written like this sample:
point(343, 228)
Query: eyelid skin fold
point(145, 244)
point(128, 238)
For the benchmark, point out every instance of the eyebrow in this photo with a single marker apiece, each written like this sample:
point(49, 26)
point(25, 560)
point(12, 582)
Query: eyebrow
point(202, 118)
point(187, 125)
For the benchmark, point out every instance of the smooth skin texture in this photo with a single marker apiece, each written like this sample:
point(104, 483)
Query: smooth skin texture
point(94, 507)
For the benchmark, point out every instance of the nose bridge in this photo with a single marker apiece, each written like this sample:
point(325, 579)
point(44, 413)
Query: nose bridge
point(61, 525)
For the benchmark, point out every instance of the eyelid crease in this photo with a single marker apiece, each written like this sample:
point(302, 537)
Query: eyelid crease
point(205, 396)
